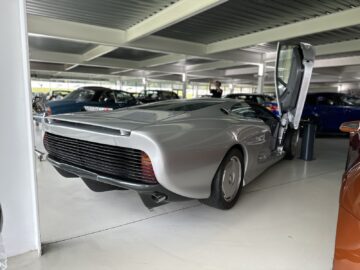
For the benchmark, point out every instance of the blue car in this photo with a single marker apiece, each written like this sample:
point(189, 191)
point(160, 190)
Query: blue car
point(329, 110)
point(90, 98)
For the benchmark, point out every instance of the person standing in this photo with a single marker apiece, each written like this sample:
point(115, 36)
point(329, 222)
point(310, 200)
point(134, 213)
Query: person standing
point(217, 92)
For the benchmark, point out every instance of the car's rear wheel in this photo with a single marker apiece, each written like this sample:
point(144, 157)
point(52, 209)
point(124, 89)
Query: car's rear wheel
point(228, 181)
point(291, 143)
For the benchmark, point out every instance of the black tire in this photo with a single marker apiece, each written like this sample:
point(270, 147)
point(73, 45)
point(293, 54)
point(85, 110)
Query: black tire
point(290, 143)
point(217, 198)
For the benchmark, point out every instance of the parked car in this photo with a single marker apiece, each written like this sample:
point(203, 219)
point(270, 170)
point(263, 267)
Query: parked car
point(90, 98)
point(347, 246)
point(265, 100)
point(205, 149)
point(329, 110)
point(148, 96)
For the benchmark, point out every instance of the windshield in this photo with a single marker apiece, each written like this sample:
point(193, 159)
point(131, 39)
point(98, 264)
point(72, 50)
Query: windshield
point(149, 94)
point(184, 106)
point(351, 100)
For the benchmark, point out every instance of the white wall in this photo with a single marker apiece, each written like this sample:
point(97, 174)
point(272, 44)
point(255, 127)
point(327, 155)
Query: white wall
point(17, 170)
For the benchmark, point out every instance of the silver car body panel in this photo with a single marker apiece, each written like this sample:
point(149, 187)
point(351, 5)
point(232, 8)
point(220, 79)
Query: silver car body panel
point(186, 149)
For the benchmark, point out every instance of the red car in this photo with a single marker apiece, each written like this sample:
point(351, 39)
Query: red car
point(347, 247)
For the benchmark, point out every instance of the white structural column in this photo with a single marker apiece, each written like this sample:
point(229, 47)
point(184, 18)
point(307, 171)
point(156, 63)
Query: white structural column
point(261, 79)
point(184, 85)
point(18, 179)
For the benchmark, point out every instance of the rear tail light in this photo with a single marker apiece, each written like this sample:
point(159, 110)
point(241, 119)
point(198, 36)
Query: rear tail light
point(147, 169)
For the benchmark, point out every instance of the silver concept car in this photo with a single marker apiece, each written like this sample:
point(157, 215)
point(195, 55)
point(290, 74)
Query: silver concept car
point(205, 149)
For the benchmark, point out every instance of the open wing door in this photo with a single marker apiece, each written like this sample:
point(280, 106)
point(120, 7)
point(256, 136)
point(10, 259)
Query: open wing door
point(294, 66)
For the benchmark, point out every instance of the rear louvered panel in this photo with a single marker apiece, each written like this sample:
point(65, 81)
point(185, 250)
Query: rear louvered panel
point(120, 162)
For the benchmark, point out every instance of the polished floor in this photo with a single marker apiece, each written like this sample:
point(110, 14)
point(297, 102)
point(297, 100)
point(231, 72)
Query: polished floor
point(285, 219)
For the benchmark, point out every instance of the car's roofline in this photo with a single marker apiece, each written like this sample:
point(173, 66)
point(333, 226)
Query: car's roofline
point(100, 88)
point(326, 93)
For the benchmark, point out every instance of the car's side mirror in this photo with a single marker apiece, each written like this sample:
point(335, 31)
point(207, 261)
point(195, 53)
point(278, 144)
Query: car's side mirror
point(350, 127)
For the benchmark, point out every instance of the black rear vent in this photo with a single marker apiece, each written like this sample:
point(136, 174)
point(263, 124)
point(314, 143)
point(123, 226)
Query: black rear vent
point(114, 161)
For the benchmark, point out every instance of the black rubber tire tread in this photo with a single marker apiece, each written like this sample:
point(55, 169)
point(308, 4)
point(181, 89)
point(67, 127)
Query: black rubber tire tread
point(216, 198)
point(290, 153)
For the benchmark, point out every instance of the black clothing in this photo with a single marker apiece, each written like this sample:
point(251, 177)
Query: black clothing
point(216, 93)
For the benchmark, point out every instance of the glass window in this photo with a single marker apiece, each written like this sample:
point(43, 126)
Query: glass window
point(242, 110)
point(107, 97)
point(328, 100)
point(350, 100)
point(269, 99)
point(81, 95)
point(259, 99)
point(284, 67)
point(122, 96)
point(149, 94)
point(166, 95)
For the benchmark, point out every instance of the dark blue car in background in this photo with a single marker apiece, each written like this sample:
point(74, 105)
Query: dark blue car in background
point(90, 98)
point(329, 110)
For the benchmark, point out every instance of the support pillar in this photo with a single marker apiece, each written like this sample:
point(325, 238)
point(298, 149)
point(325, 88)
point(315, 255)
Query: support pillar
point(261, 79)
point(18, 193)
point(184, 85)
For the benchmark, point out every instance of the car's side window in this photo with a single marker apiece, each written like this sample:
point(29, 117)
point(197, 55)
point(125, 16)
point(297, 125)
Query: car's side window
point(242, 110)
point(85, 95)
point(322, 100)
point(262, 113)
point(328, 100)
point(122, 96)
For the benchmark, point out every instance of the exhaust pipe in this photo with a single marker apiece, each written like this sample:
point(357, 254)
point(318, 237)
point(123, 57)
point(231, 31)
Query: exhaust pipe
point(158, 197)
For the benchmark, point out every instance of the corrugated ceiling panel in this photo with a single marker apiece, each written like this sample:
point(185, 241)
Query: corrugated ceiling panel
point(240, 17)
point(132, 54)
point(120, 14)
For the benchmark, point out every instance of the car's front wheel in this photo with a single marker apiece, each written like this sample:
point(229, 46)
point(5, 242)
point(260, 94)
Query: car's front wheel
point(228, 181)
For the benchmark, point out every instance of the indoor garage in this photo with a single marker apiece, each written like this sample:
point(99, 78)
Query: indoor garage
point(178, 134)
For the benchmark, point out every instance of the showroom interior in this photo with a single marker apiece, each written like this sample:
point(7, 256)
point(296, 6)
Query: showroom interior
point(287, 215)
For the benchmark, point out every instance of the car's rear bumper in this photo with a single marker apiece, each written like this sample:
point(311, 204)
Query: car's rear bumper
point(151, 194)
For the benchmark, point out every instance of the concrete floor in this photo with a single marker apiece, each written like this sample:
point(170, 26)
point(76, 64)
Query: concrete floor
point(285, 219)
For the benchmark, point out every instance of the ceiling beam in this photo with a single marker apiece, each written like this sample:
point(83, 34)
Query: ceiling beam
point(163, 60)
point(96, 52)
point(241, 71)
point(174, 13)
point(73, 31)
point(337, 62)
point(54, 57)
point(338, 47)
point(329, 22)
point(327, 49)
point(211, 66)
point(44, 26)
